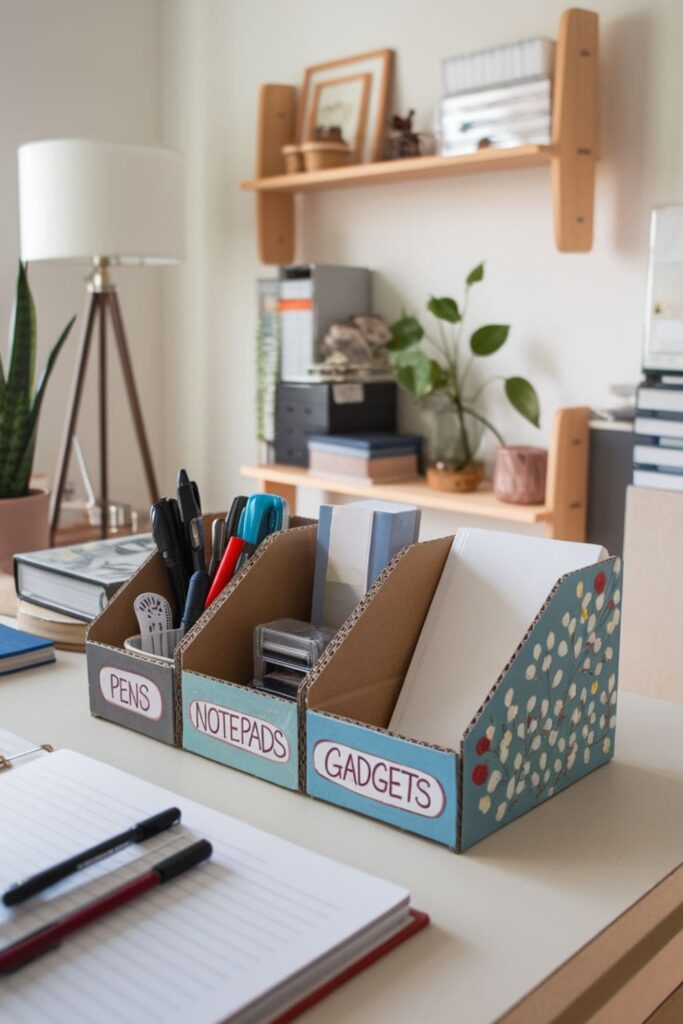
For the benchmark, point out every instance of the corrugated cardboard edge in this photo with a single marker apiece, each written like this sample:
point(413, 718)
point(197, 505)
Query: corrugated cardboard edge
point(298, 524)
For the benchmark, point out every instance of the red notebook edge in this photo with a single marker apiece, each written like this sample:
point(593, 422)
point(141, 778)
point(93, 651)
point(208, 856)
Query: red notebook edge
point(418, 921)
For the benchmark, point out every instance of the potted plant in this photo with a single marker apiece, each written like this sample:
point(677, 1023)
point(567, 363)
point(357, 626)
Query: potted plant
point(435, 368)
point(23, 512)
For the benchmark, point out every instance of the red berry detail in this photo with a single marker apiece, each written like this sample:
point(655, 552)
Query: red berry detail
point(483, 745)
point(480, 774)
point(600, 582)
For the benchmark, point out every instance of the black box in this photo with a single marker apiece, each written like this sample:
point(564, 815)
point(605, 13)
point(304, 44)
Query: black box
point(326, 408)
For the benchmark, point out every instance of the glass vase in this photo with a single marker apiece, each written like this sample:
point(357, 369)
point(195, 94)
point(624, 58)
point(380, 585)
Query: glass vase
point(453, 440)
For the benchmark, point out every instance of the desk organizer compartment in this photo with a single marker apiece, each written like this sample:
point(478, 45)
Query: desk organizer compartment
point(224, 717)
point(128, 688)
point(548, 720)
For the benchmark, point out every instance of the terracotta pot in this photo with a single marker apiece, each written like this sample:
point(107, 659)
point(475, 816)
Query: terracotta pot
point(445, 478)
point(24, 526)
point(519, 475)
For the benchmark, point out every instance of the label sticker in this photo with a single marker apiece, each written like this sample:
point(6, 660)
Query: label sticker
point(378, 778)
point(238, 729)
point(132, 692)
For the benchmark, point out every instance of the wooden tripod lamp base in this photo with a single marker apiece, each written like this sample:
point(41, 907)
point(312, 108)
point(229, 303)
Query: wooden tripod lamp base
point(102, 303)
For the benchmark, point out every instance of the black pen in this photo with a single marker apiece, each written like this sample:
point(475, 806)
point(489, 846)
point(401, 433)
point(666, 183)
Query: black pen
point(190, 508)
point(50, 876)
point(168, 536)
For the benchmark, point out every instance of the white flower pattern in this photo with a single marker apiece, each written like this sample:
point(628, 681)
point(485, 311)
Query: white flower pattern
point(540, 731)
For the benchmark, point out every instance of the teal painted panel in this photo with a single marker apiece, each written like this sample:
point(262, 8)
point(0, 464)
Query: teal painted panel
point(381, 776)
point(553, 718)
point(241, 728)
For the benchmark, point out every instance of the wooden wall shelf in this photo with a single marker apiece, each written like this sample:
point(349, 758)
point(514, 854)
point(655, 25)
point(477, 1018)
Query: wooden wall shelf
point(563, 512)
point(404, 170)
point(571, 156)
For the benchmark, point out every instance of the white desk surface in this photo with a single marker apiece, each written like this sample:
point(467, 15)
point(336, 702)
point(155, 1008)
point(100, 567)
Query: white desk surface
point(504, 914)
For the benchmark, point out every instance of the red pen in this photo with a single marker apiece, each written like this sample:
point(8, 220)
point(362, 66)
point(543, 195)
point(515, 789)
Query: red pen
point(226, 570)
point(50, 935)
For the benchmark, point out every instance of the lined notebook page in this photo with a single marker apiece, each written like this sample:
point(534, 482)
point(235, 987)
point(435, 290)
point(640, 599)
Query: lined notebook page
point(197, 949)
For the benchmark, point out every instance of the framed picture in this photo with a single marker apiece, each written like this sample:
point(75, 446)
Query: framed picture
point(663, 348)
point(352, 94)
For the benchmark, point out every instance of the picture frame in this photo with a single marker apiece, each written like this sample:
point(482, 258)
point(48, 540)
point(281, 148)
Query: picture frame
point(341, 102)
point(357, 89)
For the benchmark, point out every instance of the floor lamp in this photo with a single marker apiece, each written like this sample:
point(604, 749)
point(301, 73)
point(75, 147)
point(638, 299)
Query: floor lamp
point(106, 205)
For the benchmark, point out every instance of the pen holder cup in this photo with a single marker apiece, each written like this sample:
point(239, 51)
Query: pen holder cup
point(160, 646)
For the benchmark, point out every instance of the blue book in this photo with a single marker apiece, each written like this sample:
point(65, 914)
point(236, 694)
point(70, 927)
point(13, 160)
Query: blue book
point(355, 543)
point(371, 446)
point(22, 650)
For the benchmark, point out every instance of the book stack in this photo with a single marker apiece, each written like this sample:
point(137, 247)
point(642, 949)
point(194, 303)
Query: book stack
point(658, 453)
point(365, 458)
point(500, 97)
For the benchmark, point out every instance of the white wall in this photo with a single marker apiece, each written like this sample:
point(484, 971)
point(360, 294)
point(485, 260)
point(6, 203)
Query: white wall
point(187, 72)
point(576, 318)
point(89, 69)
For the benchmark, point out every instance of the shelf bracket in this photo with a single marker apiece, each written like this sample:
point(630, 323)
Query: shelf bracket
point(575, 130)
point(275, 211)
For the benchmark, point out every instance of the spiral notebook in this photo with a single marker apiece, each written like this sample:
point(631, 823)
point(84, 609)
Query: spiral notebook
point(256, 934)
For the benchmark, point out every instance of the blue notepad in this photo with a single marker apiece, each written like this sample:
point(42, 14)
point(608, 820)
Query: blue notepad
point(22, 650)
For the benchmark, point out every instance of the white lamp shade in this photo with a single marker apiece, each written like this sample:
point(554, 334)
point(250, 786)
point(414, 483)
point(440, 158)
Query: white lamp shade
point(79, 200)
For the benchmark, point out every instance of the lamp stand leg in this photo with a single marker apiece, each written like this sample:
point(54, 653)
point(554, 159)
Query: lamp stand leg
point(104, 474)
point(93, 307)
point(119, 333)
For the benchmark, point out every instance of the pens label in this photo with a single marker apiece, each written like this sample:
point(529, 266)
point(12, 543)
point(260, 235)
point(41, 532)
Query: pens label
point(132, 692)
point(237, 729)
point(378, 778)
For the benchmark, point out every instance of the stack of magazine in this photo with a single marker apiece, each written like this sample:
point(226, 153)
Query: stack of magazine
point(658, 451)
point(61, 590)
point(500, 97)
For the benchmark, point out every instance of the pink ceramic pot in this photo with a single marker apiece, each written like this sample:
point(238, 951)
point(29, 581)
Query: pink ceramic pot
point(24, 526)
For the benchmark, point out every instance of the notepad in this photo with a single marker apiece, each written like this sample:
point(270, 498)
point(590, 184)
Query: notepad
point(22, 650)
point(243, 937)
point(492, 586)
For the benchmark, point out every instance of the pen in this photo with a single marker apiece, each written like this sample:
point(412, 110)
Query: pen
point(50, 935)
point(196, 598)
point(168, 537)
point(50, 876)
point(196, 534)
point(190, 507)
point(218, 542)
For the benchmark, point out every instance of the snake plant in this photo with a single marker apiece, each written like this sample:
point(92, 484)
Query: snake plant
point(20, 402)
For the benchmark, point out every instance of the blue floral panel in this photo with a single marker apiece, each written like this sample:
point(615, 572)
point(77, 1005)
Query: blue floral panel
point(551, 717)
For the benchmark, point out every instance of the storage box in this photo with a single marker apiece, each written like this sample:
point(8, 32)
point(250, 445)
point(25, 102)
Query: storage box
point(302, 410)
point(224, 717)
point(127, 688)
point(534, 733)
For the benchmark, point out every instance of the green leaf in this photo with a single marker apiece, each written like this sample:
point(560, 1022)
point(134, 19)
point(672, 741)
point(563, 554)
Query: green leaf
point(475, 275)
point(444, 309)
point(22, 474)
point(405, 332)
point(17, 392)
point(489, 339)
point(522, 396)
point(417, 373)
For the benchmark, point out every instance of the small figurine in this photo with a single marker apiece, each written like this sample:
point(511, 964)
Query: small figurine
point(403, 140)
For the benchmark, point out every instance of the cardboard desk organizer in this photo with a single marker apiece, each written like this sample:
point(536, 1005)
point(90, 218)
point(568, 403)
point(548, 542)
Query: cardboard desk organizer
point(143, 693)
point(545, 722)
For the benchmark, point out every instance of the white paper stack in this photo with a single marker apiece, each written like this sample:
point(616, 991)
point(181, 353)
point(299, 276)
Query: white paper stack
point(500, 97)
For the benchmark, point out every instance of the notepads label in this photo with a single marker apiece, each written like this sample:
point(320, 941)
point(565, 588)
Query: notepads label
point(237, 729)
point(132, 692)
point(379, 778)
